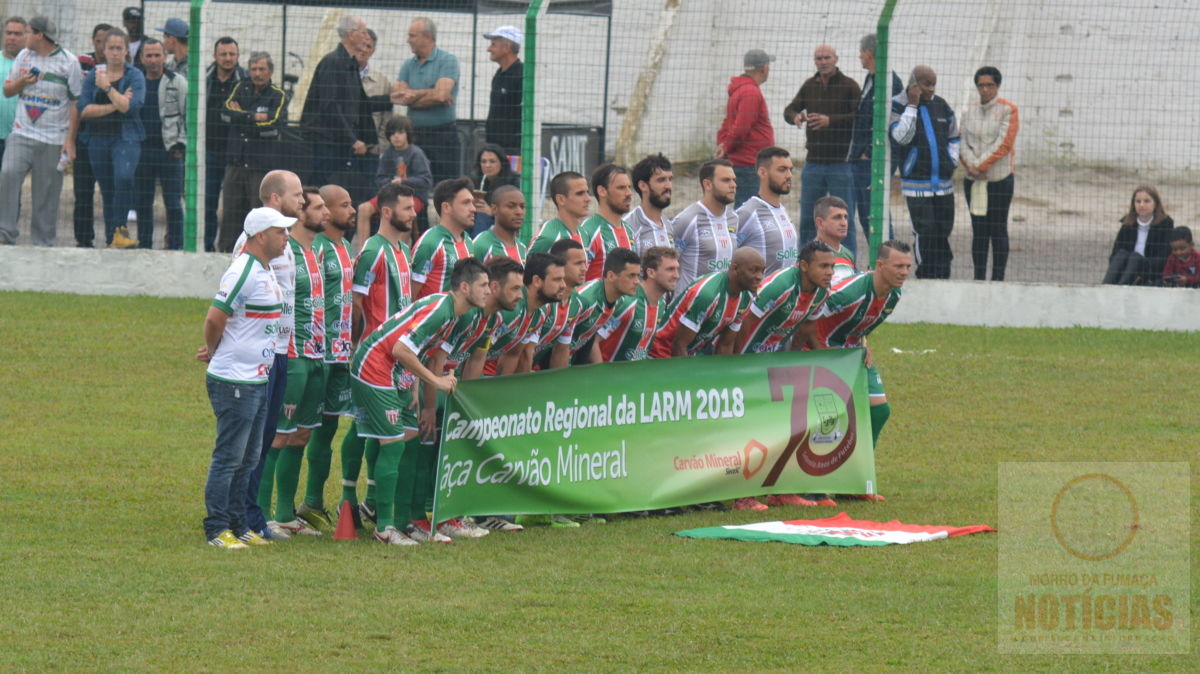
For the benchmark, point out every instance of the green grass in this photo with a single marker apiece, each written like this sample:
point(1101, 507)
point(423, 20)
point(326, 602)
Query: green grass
point(106, 439)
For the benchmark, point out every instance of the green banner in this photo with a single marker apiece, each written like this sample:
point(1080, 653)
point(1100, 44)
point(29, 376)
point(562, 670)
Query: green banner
point(618, 437)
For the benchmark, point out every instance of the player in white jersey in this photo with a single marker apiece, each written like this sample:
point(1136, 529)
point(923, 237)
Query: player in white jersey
point(704, 232)
point(647, 223)
point(763, 222)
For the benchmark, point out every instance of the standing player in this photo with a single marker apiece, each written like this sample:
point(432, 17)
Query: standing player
point(569, 191)
point(763, 222)
point(333, 256)
point(443, 245)
point(647, 223)
point(597, 300)
point(787, 301)
point(605, 230)
point(386, 366)
point(503, 238)
point(630, 331)
point(830, 215)
point(704, 231)
point(708, 315)
point(856, 308)
point(552, 349)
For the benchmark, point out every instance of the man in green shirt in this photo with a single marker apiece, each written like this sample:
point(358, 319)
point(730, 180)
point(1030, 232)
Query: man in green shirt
point(428, 86)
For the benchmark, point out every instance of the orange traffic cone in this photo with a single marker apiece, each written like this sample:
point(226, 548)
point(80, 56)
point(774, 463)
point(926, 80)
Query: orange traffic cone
point(345, 524)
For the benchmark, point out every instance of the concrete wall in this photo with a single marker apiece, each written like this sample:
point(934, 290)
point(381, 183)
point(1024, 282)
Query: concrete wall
point(1024, 305)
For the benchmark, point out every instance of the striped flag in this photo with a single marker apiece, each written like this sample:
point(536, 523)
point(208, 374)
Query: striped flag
point(837, 530)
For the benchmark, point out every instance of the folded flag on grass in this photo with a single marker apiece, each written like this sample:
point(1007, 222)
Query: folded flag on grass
point(837, 530)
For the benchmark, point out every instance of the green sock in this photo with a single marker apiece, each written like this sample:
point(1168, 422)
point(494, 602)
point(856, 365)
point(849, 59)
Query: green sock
point(267, 483)
point(319, 455)
point(371, 453)
point(387, 469)
point(879, 417)
point(287, 479)
point(352, 455)
point(407, 483)
point(423, 480)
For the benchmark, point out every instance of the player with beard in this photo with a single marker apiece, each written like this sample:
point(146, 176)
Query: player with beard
point(544, 285)
point(569, 192)
point(647, 223)
point(552, 349)
point(763, 222)
point(597, 300)
point(707, 316)
point(382, 287)
point(606, 230)
point(443, 245)
point(630, 332)
point(301, 409)
point(788, 300)
point(704, 231)
point(503, 238)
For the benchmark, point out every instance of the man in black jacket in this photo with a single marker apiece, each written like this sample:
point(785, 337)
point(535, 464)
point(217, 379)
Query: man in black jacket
point(256, 110)
point(223, 75)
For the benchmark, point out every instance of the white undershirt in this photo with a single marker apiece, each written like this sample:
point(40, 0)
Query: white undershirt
point(1143, 233)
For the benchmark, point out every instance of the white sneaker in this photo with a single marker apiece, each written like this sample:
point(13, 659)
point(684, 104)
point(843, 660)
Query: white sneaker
point(297, 526)
point(476, 530)
point(276, 532)
point(420, 535)
point(392, 536)
point(500, 524)
point(457, 528)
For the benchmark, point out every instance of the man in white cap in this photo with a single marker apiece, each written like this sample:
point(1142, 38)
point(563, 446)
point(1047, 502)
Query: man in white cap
point(504, 114)
point(175, 40)
point(240, 331)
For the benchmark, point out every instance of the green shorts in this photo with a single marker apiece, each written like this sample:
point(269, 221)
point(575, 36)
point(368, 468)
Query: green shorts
point(338, 399)
point(383, 413)
point(874, 383)
point(303, 396)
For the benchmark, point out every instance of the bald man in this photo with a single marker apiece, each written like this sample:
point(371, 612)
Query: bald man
point(708, 315)
point(827, 103)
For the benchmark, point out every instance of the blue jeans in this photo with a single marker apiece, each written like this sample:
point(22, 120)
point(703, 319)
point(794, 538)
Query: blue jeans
point(214, 175)
point(241, 410)
point(816, 181)
point(747, 184)
point(157, 167)
point(114, 161)
point(276, 385)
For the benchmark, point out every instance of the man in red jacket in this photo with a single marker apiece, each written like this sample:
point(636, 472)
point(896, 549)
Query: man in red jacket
point(747, 126)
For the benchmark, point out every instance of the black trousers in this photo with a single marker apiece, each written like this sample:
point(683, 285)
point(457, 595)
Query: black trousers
point(85, 193)
point(441, 146)
point(932, 221)
point(991, 229)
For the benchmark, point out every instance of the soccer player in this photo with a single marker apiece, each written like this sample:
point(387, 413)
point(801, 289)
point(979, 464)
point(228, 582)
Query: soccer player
point(763, 222)
point(788, 301)
point(569, 191)
point(855, 309)
point(552, 349)
point(503, 238)
point(703, 232)
point(597, 300)
point(605, 230)
point(383, 392)
point(647, 223)
point(830, 215)
point(629, 332)
point(333, 256)
point(301, 410)
point(544, 285)
point(708, 315)
point(443, 245)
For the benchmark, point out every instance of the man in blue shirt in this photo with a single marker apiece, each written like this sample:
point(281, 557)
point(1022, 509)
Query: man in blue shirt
point(428, 86)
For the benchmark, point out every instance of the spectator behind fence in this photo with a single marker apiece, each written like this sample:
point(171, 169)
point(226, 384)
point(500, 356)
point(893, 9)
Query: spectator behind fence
point(746, 128)
point(860, 140)
point(925, 133)
point(404, 162)
point(45, 96)
point(256, 111)
point(89, 60)
point(377, 85)
point(163, 118)
point(134, 22)
point(989, 137)
point(14, 41)
point(83, 181)
point(223, 75)
point(828, 103)
point(492, 171)
point(175, 40)
point(428, 86)
point(1183, 265)
point(1143, 241)
point(111, 105)
point(503, 125)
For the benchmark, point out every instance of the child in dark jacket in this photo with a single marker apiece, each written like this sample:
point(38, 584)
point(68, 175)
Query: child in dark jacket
point(1183, 265)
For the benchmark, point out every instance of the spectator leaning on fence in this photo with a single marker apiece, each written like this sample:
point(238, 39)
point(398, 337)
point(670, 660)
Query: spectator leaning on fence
point(503, 125)
point(163, 117)
point(175, 41)
point(428, 85)
point(747, 125)
point(48, 81)
point(223, 75)
point(14, 41)
point(860, 142)
point(989, 137)
point(1143, 241)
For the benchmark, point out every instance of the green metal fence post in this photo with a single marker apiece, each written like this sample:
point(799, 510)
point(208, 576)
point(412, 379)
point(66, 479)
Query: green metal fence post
point(530, 123)
point(881, 175)
point(193, 209)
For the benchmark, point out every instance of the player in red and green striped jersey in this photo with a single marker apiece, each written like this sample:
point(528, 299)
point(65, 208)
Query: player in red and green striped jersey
point(544, 284)
point(830, 215)
point(706, 317)
point(787, 302)
point(630, 331)
point(598, 299)
point(569, 191)
point(503, 238)
point(605, 230)
point(552, 348)
point(444, 244)
point(386, 366)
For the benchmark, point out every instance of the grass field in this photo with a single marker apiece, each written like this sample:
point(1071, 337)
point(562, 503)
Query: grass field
point(105, 445)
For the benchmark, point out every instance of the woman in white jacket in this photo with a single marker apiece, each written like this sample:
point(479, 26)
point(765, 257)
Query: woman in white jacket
point(989, 135)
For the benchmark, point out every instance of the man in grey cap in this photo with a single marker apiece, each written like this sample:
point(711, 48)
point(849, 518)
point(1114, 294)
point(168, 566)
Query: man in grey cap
point(747, 126)
point(175, 40)
point(504, 114)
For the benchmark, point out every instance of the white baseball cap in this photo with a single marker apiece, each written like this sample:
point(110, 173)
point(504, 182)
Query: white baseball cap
point(263, 218)
point(511, 33)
